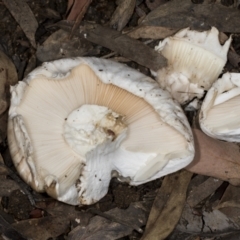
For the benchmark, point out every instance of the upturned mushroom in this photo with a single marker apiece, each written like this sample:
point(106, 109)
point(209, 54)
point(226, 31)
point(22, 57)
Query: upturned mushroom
point(76, 123)
point(195, 60)
point(220, 112)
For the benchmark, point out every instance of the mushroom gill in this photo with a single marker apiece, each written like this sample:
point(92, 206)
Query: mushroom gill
point(78, 130)
point(220, 111)
point(195, 60)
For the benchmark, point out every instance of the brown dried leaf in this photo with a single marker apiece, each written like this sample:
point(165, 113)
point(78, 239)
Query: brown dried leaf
point(59, 209)
point(42, 228)
point(168, 205)
point(209, 222)
point(234, 58)
point(202, 191)
point(101, 228)
point(154, 4)
point(58, 45)
point(8, 76)
point(76, 8)
point(197, 16)
point(122, 14)
point(7, 186)
point(216, 221)
point(215, 158)
point(24, 17)
point(153, 32)
point(231, 198)
point(7, 231)
point(230, 204)
point(3, 170)
point(120, 43)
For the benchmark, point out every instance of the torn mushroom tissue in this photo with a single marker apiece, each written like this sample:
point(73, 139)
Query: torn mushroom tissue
point(90, 125)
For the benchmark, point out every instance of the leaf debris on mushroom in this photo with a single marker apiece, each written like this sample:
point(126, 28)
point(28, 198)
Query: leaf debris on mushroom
point(75, 123)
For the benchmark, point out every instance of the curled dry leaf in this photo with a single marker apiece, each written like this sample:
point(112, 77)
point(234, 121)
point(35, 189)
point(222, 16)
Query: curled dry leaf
point(215, 158)
point(24, 17)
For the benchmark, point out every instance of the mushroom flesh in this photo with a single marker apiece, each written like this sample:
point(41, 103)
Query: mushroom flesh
point(195, 60)
point(76, 123)
point(220, 112)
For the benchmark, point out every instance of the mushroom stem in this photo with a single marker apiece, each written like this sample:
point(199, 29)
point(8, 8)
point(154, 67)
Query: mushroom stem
point(215, 158)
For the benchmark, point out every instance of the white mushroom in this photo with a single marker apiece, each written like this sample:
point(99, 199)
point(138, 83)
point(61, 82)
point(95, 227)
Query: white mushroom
point(195, 60)
point(75, 123)
point(220, 112)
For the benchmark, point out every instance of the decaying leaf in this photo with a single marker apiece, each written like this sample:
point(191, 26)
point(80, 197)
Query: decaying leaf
point(7, 186)
point(209, 222)
point(25, 18)
point(234, 58)
point(202, 191)
point(230, 204)
point(120, 43)
point(168, 206)
point(190, 222)
point(58, 45)
point(154, 4)
point(59, 209)
point(101, 228)
point(77, 8)
point(42, 228)
point(8, 232)
point(122, 14)
point(153, 32)
point(196, 16)
point(216, 221)
point(215, 158)
point(8, 76)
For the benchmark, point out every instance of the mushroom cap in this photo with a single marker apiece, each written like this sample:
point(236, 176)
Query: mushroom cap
point(195, 60)
point(220, 111)
point(58, 145)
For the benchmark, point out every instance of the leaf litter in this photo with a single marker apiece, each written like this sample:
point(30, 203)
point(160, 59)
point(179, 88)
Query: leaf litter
point(201, 202)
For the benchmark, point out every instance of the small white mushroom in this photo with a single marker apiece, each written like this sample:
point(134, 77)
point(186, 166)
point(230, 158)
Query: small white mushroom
point(195, 60)
point(220, 112)
point(75, 123)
